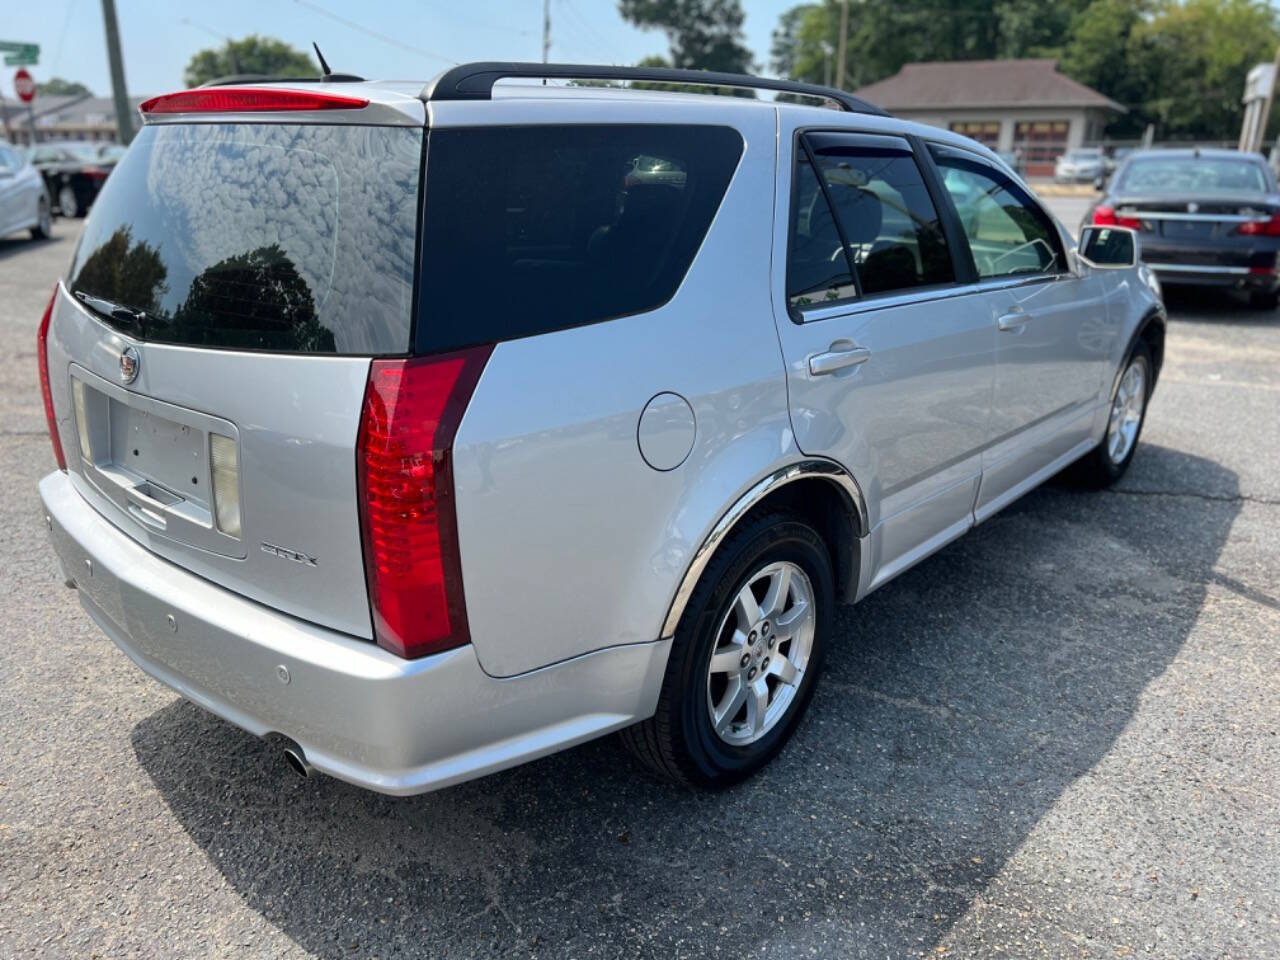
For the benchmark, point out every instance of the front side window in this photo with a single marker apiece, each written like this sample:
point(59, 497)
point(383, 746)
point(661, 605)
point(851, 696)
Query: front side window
point(1008, 234)
point(532, 229)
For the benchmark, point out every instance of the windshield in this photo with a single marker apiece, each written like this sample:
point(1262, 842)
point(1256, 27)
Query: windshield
point(1195, 175)
point(258, 236)
point(1084, 155)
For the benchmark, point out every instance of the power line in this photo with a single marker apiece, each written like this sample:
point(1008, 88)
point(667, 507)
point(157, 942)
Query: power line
point(361, 28)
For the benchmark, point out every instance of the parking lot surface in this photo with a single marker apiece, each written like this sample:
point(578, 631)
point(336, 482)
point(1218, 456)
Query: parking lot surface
point(1058, 737)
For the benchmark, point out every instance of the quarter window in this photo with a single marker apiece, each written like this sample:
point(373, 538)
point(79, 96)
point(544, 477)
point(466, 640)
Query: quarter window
point(530, 229)
point(1008, 233)
point(817, 268)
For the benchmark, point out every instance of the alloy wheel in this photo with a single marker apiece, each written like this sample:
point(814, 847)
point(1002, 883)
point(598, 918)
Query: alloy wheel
point(1126, 411)
point(763, 645)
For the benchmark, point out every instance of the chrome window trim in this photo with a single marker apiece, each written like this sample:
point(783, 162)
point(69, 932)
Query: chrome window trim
point(800, 470)
point(850, 306)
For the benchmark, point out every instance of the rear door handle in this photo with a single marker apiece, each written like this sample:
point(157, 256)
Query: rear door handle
point(1014, 320)
point(833, 360)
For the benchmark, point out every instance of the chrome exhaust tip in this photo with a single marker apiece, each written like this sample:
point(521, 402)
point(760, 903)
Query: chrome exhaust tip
point(297, 760)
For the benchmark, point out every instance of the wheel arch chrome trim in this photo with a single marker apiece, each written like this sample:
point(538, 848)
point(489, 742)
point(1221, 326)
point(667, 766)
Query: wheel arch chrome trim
point(827, 470)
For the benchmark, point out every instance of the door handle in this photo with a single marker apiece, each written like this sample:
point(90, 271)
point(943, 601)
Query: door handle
point(833, 360)
point(1014, 320)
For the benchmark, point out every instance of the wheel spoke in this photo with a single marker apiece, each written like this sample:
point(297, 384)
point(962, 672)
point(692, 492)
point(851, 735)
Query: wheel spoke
point(785, 625)
point(728, 659)
point(729, 705)
point(757, 705)
point(784, 670)
point(776, 596)
point(747, 608)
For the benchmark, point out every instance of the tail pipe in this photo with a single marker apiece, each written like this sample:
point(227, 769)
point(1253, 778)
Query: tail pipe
point(297, 760)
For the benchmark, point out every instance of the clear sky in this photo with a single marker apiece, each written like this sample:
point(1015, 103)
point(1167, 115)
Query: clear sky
point(385, 39)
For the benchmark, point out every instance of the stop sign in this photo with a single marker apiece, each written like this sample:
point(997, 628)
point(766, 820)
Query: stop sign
point(24, 85)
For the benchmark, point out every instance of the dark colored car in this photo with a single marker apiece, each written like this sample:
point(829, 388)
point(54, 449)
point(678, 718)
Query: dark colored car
point(1208, 218)
point(74, 172)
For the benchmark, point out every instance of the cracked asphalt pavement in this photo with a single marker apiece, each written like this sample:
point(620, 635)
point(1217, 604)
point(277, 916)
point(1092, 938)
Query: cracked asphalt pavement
point(1057, 737)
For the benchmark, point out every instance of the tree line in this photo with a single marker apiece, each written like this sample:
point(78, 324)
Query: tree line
point(1178, 64)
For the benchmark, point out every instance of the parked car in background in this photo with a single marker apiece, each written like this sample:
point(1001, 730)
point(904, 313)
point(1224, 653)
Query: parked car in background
point(1080, 166)
point(1206, 217)
point(24, 202)
point(74, 172)
point(342, 509)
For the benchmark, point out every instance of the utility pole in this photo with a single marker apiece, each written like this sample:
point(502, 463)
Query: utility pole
point(844, 42)
point(124, 118)
point(546, 29)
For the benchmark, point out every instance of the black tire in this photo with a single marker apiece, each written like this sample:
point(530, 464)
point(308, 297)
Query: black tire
point(1267, 300)
point(1097, 468)
point(679, 742)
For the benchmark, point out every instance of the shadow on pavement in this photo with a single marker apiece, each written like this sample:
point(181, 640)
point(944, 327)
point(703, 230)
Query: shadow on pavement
point(19, 243)
point(1217, 304)
point(958, 705)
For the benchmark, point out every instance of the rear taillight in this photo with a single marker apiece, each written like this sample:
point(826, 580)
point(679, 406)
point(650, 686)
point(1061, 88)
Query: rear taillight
point(1104, 216)
point(248, 100)
point(1261, 228)
point(404, 465)
point(96, 173)
point(42, 352)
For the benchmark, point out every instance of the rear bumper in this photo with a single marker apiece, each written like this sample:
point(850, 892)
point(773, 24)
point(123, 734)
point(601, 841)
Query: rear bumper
point(1213, 275)
point(358, 713)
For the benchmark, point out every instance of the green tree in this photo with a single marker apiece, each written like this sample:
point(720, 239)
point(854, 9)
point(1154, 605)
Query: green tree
point(703, 34)
point(254, 54)
point(58, 87)
point(1191, 59)
point(1097, 55)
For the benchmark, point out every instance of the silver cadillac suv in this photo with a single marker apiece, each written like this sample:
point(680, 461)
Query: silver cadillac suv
point(430, 430)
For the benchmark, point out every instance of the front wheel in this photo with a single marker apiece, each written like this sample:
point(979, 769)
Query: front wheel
point(745, 656)
point(1107, 462)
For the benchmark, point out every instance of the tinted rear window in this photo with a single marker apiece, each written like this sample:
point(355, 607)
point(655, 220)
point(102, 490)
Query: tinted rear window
point(259, 237)
point(533, 229)
point(1195, 175)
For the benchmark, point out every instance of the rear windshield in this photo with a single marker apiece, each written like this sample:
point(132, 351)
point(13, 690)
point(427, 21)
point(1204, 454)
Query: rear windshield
point(1195, 175)
point(258, 237)
point(533, 229)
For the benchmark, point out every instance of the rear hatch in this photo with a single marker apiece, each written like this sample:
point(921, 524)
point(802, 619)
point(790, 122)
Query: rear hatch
point(211, 347)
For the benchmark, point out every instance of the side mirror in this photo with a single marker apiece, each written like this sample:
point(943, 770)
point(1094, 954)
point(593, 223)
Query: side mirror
point(1109, 248)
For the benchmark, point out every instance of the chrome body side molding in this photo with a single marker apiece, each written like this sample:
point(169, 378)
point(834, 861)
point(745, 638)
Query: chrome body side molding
point(800, 470)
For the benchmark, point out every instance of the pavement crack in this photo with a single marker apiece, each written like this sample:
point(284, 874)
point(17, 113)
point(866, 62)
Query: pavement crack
point(1197, 495)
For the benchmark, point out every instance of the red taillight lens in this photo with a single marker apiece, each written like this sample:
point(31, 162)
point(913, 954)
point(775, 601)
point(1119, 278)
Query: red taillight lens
point(95, 173)
point(404, 461)
point(1106, 217)
point(1261, 228)
point(42, 352)
point(242, 100)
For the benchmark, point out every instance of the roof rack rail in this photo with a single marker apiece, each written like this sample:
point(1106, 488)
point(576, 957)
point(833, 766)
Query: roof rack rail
point(474, 81)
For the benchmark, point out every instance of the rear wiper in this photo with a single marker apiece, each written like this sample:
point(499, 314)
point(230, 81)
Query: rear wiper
point(115, 311)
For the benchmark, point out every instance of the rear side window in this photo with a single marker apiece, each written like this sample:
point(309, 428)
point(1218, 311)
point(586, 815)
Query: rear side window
point(889, 222)
point(532, 229)
point(259, 237)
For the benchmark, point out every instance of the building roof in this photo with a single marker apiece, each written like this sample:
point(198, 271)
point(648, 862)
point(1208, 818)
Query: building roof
point(53, 111)
point(983, 83)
